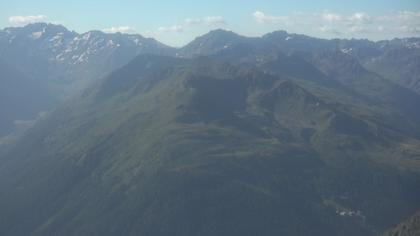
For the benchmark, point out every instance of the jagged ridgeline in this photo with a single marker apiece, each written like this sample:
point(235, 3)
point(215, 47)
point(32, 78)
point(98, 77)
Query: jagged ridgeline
point(63, 62)
point(230, 136)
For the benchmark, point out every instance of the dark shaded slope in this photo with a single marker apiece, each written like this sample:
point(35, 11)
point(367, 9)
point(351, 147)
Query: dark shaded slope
point(21, 98)
point(396, 60)
point(60, 63)
point(400, 103)
point(410, 227)
point(399, 61)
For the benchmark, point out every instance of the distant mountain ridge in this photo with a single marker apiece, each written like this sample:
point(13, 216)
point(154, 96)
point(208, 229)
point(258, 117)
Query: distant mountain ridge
point(64, 62)
point(397, 59)
point(52, 52)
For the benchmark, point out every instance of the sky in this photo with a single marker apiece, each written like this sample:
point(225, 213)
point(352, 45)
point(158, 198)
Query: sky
point(178, 22)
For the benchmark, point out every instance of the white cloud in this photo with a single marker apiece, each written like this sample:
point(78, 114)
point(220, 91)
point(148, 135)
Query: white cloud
point(360, 24)
point(188, 23)
point(409, 29)
point(24, 20)
point(408, 16)
point(328, 16)
point(214, 20)
point(355, 18)
point(261, 17)
point(329, 30)
point(173, 29)
point(405, 22)
point(209, 21)
point(193, 21)
point(360, 17)
point(359, 29)
point(120, 29)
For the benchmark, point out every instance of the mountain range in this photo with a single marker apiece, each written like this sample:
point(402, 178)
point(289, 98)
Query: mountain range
point(65, 62)
point(282, 134)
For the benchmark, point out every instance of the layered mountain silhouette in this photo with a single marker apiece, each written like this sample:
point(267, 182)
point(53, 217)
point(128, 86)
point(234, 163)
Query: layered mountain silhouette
point(229, 135)
point(53, 52)
point(65, 62)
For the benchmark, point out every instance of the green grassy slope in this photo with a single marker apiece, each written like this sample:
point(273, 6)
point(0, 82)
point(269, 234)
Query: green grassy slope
point(168, 146)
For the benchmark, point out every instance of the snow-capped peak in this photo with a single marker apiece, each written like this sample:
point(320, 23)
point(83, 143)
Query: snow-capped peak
point(346, 50)
point(38, 34)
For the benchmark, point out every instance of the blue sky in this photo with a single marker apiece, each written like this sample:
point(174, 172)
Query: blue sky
point(178, 22)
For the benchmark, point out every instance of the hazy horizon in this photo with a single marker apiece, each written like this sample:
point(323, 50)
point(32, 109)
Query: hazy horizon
point(197, 36)
point(176, 24)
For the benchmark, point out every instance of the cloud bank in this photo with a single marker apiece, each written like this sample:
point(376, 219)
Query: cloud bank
point(399, 23)
point(189, 23)
point(119, 29)
point(24, 20)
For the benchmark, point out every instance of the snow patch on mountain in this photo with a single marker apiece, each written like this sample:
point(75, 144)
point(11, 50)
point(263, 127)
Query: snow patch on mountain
point(137, 42)
point(412, 45)
point(37, 35)
point(86, 36)
point(347, 50)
